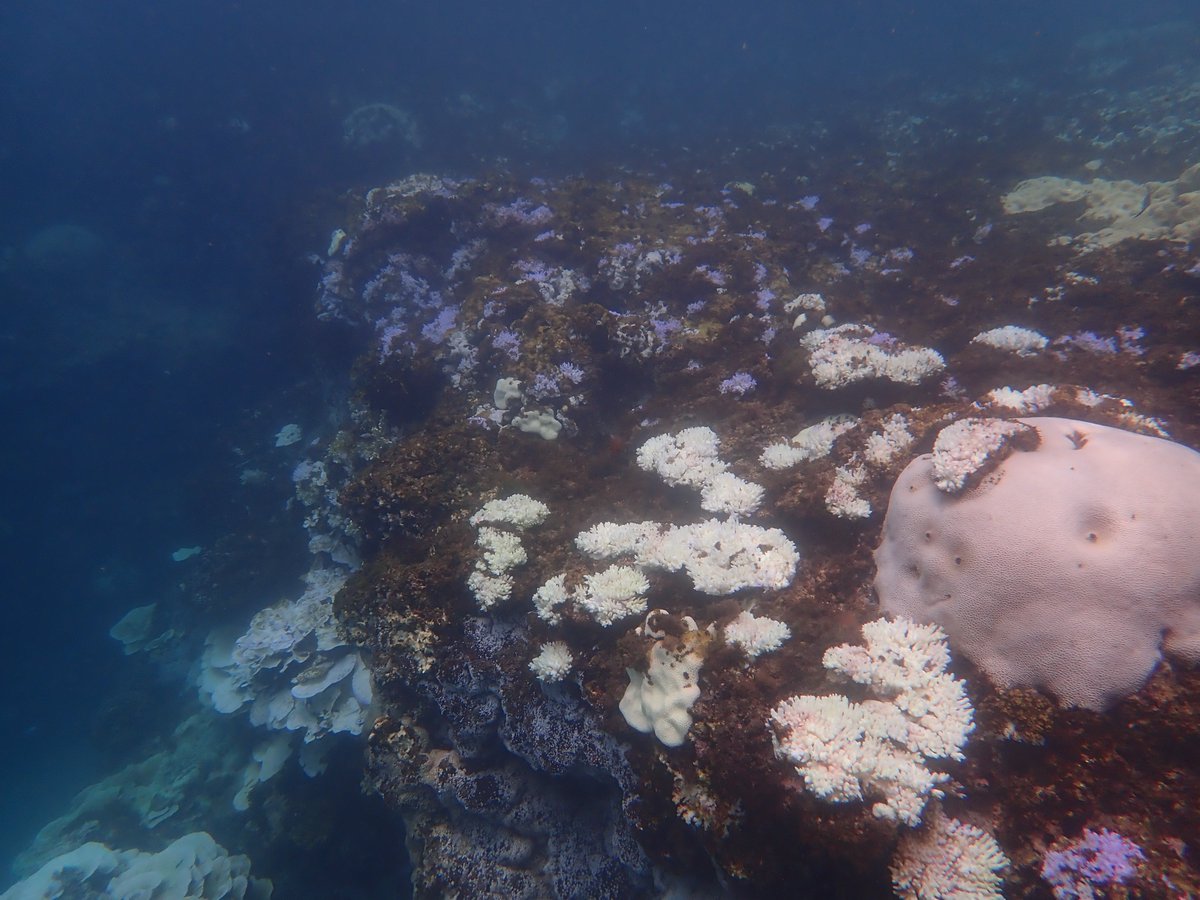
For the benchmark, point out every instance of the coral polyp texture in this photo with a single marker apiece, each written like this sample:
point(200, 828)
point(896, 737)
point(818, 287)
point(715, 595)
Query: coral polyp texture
point(1072, 567)
point(726, 535)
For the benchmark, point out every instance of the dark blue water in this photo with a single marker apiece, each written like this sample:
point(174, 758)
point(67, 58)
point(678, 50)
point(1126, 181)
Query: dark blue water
point(150, 350)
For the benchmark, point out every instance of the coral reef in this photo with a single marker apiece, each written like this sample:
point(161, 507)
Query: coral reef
point(725, 451)
point(194, 866)
point(1069, 568)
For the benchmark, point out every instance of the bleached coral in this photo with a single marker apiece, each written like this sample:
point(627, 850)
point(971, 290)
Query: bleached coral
point(690, 458)
point(1014, 339)
point(884, 446)
point(723, 557)
point(964, 447)
point(756, 635)
point(948, 860)
point(194, 867)
point(850, 353)
point(661, 700)
point(726, 494)
point(1033, 399)
point(549, 597)
point(292, 667)
point(720, 556)
point(781, 456)
point(503, 551)
point(266, 761)
point(879, 748)
point(842, 498)
point(812, 442)
point(608, 539)
point(612, 594)
point(687, 458)
point(518, 510)
point(553, 662)
point(489, 589)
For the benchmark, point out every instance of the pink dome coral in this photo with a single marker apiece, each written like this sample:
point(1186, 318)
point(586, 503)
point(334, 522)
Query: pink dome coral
point(1069, 568)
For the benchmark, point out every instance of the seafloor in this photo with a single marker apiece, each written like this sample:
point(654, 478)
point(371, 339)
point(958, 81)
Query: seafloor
point(631, 304)
point(674, 288)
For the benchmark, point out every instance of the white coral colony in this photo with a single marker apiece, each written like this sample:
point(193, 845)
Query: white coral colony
point(879, 749)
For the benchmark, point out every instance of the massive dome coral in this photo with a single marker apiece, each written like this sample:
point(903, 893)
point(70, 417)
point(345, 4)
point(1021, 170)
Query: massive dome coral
point(1069, 567)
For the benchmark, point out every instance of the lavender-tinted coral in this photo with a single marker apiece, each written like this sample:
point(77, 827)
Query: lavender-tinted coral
point(882, 339)
point(390, 334)
point(1097, 859)
point(543, 386)
point(1088, 341)
point(1130, 339)
point(435, 332)
point(522, 212)
point(534, 270)
point(571, 372)
point(507, 342)
point(739, 383)
point(664, 328)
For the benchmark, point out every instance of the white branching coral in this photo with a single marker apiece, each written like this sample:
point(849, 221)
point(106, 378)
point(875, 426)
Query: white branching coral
point(756, 635)
point(812, 442)
point(964, 447)
point(614, 593)
point(517, 510)
point(948, 860)
point(720, 557)
point(723, 557)
point(552, 663)
point(1033, 399)
point(850, 353)
point(502, 550)
point(842, 498)
point(726, 494)
point(878, 749)
point(607, 540)
point(549, 597)
point(885, 445)
point(490, 581)
point(690, 458)
point(489, 589)
point(687, 458)
point(1014, 339)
